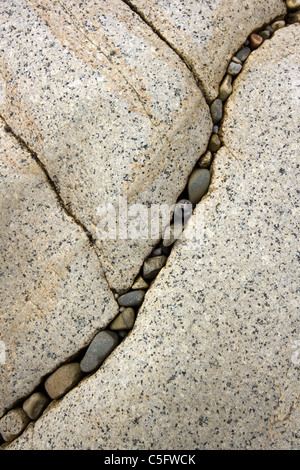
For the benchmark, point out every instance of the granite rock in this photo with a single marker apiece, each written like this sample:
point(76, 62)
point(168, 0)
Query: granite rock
point(213, 360)
point(207, 33)
point(53, 293)
point(13, 423)
point(116, 117)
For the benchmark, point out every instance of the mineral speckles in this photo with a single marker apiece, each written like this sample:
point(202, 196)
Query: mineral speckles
point(13, 423)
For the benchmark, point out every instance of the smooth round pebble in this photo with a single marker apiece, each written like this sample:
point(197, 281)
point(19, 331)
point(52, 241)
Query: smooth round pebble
point(133, 298)
point(243, 54)
point(234, 69)
point(35, 404)
point(278, 25)
point(214, 143)
point(100, 347)
point(225, 88)
point(152, 266)
point(216, 109)
point(293, 4)
point(198, 184)
point(62, 380)
point(205, 160)
point(255, 41)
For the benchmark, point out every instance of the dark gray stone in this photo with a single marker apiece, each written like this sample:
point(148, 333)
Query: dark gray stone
point(216, 109)
point(243, 54)
point(198, 184)
point(132, 298)
point(101, 346)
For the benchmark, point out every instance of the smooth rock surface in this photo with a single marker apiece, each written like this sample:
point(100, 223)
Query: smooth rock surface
point(109, 108)
point(207, 33)
point(213, 360)
point(63, 379)
point(53, 294)
point(100, 347)
point(132, 298)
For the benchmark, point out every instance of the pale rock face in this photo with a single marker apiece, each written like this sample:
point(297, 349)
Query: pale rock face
point(53, 293)
point(213, 359)
point(206, 33)
point(109, 108)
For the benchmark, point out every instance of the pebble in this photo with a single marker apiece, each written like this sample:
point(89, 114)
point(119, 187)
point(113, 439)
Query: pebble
point(255, 41)
point(35, 404)
point(157, 251)
point(152, 266)
point(214, 143)
point(265, 34)
point(205, 160)
point(234, 69)
point(131, 299)
point(172, 234)
point(236, 60)
point(243, 54)
point(13, 423)
point(216, 109)
point(198, 184)
point(100, 347)
point(293, 17)
point(62, 380)
point(140, 283)
point(182, 211)
point(124, 321)
point(278, 25)
point(215, 129)
point(225, 88)
point(293, 4)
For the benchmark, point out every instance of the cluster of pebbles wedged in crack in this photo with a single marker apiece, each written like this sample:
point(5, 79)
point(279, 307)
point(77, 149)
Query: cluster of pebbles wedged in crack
point(67, 376)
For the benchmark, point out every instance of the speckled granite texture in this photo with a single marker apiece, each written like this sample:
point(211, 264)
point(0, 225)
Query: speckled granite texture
point(208, 32)
point(213, 359)
point(53, 294)
point(107, 106)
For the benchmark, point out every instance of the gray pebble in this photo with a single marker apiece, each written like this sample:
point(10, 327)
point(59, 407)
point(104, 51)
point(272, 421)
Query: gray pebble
point(243, 54)
point(265, 34)
point(100, 347)
point(131, 299)
point(234, 69)
point(152, 266)
point(205, 160)
point(157, 251)
point(198, 184)
point(35, 404)
point(215, 129)
point(225, 88)
point(216, 109)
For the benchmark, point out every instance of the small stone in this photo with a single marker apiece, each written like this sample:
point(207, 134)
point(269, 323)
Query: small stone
point(116, 296)
point(124, 321)
point(293, 4)
point(225, 88)
point(269, 28)
point(198, 184)
point(214, 143)
point(62, 380)
point(243, 54)
point(172, 234)
point(122, 334)
point(13, 423)
point(293, 17)
point(121, 309)
point(278, 25)
point(234, 69)
point(215, 129)
point(205, 160)
point(182, 212)
point(157, 251)
point(255, 41)
point(35, 404)
point(140, 283)
point(236, 60)
point(131, 299)
point(100, 347)
point(152, 266)
point(216, 109)
point(265, 34)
